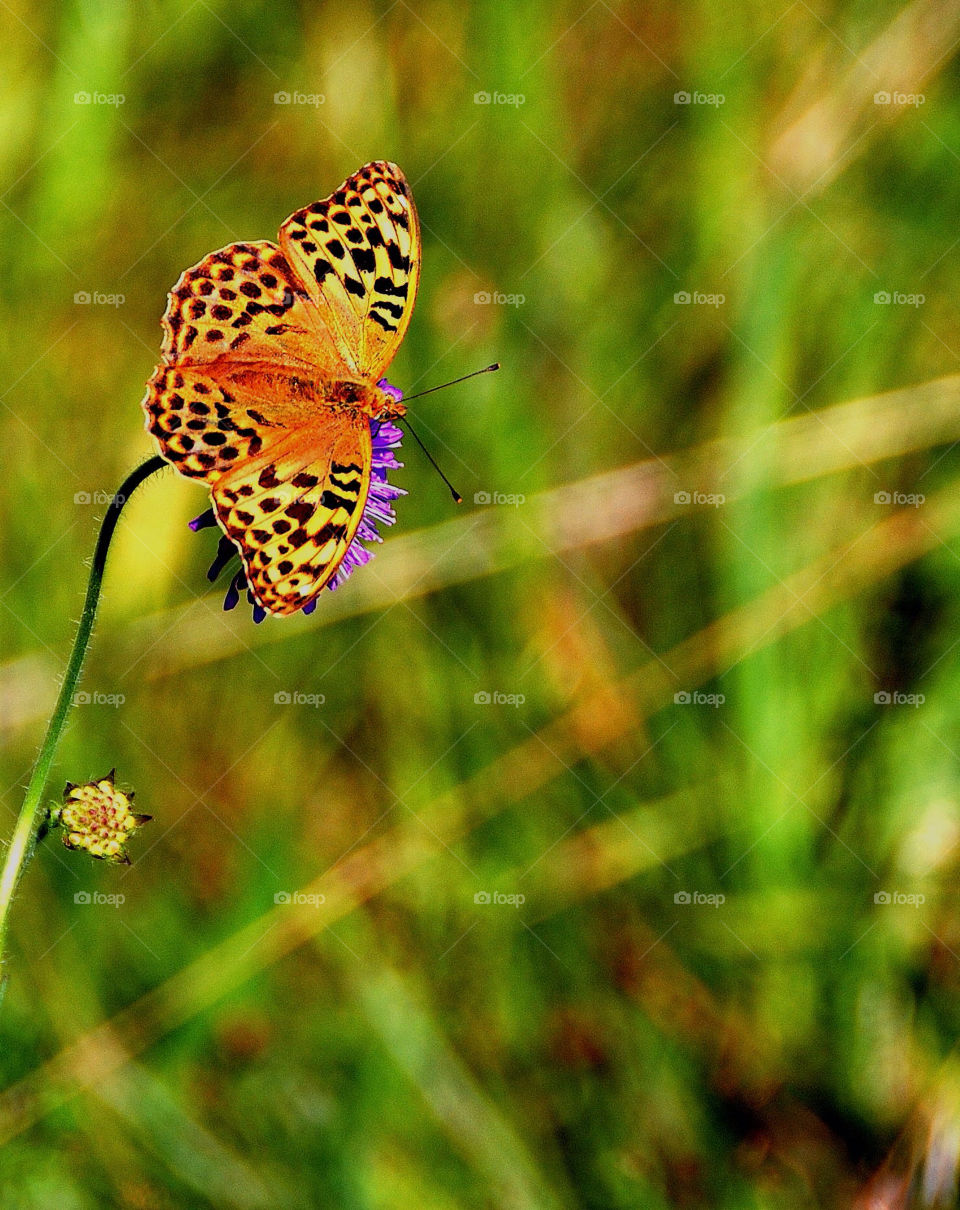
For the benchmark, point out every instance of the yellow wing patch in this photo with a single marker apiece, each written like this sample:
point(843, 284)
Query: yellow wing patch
point(358, 252)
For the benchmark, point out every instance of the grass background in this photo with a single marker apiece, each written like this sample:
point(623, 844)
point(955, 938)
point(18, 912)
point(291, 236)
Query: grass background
point(601, 1044)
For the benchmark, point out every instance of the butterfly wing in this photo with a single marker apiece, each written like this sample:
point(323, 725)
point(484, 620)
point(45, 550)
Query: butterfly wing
point(290, 492)
point(293, 510)
point(358, 254)
point(245, 302)
point(201, 425)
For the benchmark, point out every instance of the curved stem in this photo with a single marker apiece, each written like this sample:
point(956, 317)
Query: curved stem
point(33, 813)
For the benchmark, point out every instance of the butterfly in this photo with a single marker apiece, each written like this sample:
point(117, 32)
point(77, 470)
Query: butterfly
point(271, 385)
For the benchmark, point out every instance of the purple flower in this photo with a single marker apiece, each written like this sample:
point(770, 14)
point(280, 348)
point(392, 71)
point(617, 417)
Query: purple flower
point(378, 510)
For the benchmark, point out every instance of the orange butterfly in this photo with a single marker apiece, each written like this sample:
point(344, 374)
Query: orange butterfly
point(271, 387)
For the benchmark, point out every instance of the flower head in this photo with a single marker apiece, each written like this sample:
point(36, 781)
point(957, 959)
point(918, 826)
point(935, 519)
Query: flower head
point(378, 510)
point(96, 816)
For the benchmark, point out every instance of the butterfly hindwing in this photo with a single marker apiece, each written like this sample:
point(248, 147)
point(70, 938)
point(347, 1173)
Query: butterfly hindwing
point(293, 511)
point(201, 425)
point(358, 253)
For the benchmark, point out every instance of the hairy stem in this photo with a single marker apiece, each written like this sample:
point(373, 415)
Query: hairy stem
point(33, 813)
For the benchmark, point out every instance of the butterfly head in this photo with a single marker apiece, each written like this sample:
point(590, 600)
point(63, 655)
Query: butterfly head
point(380, 402)
point(391, 402)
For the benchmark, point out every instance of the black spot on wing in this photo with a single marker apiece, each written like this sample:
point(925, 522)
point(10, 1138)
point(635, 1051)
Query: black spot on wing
point(393, 309)
point(383, 285)
point(364, 259)
point(334, 500)
point(397, 259)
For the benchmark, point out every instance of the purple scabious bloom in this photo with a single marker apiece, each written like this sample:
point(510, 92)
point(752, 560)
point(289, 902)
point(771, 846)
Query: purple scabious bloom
point(378, 510)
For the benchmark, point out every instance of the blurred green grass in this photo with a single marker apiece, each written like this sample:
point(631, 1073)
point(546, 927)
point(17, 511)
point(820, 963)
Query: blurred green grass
point(600, 1045)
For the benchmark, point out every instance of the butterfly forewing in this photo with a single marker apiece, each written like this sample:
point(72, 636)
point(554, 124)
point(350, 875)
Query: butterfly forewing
point(244, 302)
point(358, 252)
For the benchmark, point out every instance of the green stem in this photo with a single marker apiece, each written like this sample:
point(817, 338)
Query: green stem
point(33, 813)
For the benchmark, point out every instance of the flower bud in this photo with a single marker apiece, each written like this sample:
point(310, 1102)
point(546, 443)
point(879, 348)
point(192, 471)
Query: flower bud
point(96, 816)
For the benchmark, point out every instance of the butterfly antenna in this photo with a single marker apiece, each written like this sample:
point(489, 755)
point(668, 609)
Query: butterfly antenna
point(413, 432)
point(433, 462)
point(430, 390)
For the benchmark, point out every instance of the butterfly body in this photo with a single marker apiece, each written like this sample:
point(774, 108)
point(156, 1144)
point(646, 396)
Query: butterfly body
point(271, 384)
